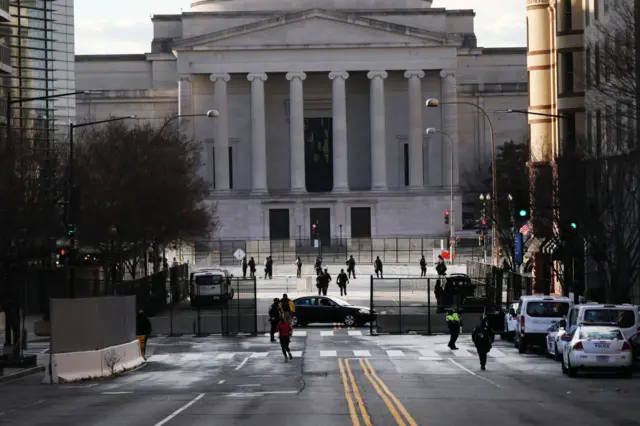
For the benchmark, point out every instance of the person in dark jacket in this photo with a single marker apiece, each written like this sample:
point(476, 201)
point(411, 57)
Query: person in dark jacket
point(252, 267)
point(342, 279)
point(351, 267)
point(244, 267)
point(284, 333)
point(423, 266)
point(439, 292)
point(318, 266)
point(274, 317)
point(378, 267)
point(441, 267)
point(143, 326)
point(483, 337)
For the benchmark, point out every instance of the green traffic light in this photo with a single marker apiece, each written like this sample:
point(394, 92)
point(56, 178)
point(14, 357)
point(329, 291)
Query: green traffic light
point(573, 225)
point(523, 213)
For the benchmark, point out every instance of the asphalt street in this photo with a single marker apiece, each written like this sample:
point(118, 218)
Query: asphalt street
point(337, 377)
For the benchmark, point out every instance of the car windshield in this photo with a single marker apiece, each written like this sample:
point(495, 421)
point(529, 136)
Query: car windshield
point(548, 309)
point(208, 279)
point(601, 334)
point(340, 301)
point(623, 318)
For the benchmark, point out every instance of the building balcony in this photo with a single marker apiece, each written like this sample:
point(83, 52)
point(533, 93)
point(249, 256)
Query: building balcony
point(5, 16)
point(5, 59)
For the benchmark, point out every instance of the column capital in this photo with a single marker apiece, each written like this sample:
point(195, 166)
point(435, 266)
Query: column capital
point(447, 73)
point(261, 76)
point(373, 74)
point(414, 73)
point(338, 74)
point(223, 76)
point(186, 77)
point(299, 75)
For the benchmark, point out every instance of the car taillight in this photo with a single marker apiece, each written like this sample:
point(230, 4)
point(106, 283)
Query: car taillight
point(522, 324)
point(626, 346)
point(578, 347)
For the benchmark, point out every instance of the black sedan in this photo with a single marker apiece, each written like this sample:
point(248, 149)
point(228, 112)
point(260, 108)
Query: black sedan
point(328, 309)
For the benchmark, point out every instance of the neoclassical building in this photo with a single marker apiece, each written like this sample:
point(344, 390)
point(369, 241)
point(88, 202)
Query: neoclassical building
point(322, 110)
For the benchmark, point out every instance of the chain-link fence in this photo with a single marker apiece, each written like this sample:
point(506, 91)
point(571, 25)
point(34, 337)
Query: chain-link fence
point(509, 286)
point(405, 305)
point(364, 250)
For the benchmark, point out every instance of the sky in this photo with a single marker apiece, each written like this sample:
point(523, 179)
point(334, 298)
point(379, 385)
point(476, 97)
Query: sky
point(103, 28)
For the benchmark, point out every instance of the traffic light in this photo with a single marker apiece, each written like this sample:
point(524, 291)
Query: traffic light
point(61, 258)
point(314, 230)
point(446, 217)
point(573, 225)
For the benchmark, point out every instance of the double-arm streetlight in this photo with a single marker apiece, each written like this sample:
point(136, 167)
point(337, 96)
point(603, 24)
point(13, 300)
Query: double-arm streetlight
point(431, 131)
point(434, 103)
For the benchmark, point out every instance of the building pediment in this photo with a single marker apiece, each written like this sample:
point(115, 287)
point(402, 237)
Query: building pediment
point(314, 28)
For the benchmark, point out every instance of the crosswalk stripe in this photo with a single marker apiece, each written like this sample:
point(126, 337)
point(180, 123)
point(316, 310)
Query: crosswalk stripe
point(497, 354)
point(225, 356)
point(355, 333)
point(461, 352)
point(296, 354)
point(361, 353)
point(395, 353)
point(428, 353)
point(259, 355)
point(328, 353)
point(326, 333)
point(192, 357)
point(158, 358)
point(297, 333)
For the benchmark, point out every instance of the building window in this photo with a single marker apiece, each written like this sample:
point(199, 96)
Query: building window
point(597, 65)
point(589, 130)
point(568, 18)
point(605, 6)
point(587, 68)
point(587, 16)
point(606, 60)
point(620, 123)
point(598, 135)
point(569, 132)
point(596, 9)
point(406, 163)
point(230, 167)
point(630, 128)
point(567, 72)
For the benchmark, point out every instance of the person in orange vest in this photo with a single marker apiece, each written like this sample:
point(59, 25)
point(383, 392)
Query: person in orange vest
point(287, 307)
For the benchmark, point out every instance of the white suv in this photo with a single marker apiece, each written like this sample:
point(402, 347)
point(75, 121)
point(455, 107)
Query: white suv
point(535, 315)
point(209, 285)
point(626, 317)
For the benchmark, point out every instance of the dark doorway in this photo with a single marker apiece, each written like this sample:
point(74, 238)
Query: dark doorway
point(360, 222)
point(279, 224)
point(322, 219)
point(318, 150)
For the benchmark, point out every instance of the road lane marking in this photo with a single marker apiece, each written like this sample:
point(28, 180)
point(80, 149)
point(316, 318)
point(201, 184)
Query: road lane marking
point(462, 353)
point(116, 393)
point(158, 358)
point(428, 353)
point(354, 333)
point(296, 354)
point(244, 361)
point(297, 333)
point(474, 374)
point(497, 354)
point(361, 353)
point(356, 392)
point(179, 410)
point(193, 357)
point(225, 356)
point(384, 397)
point(326, 333)
point(328, 353)
point(400, 406)
point(259, 355)
point(221, 382)
point(347, 393)
point(395, 353)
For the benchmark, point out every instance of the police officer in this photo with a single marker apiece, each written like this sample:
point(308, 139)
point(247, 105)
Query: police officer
point(351, 267)
point(483, 338)
point(377, 264)
point(342, 281)
point(423, 267)
point(454, 323)
point(274, 317)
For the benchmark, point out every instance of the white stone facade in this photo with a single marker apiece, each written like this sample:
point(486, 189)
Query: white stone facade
point(271, 69)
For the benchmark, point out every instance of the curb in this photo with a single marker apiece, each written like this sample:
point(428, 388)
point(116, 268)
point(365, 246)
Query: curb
point(22, 373)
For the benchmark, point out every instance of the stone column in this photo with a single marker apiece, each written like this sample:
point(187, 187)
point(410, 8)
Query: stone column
point(258, 134)
point(416, 130)
point(296, 130)
point(450, 126)
point(340, 164)
point(222, 131)
point(378, 131)
point(185, 95)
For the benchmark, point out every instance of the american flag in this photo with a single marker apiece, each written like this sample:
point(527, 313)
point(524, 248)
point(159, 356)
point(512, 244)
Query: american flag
point(525, 229)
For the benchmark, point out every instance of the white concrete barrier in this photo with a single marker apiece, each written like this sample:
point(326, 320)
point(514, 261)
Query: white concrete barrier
point(74, 366)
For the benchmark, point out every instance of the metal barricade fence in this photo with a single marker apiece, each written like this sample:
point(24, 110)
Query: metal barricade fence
point(410, 305)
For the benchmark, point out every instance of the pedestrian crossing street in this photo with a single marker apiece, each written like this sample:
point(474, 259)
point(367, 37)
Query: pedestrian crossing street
point(436, 353)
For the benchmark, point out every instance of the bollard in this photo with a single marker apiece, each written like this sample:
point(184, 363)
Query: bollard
point(24, 339)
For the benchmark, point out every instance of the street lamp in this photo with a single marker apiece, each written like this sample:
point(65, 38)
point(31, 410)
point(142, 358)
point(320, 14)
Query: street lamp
point(434, 103)
point(431, 131)
point(72, 197)
point(483, 199)
point(527, 112)
point(212, 113)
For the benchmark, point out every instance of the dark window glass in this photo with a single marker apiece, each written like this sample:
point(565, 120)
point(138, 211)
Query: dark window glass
point(618, 317)
point(406, 164)
point(547, 309)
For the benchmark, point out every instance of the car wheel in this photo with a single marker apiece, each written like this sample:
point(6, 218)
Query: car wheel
point(522, 346)
point(349, 320)
point(572, 372)
point(557, 355)
point(294, 321)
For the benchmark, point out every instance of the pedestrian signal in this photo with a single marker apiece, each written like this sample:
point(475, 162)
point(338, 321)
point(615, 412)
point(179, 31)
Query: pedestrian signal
point(446, 217)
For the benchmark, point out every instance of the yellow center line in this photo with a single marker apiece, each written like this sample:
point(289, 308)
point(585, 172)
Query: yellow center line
point(386, 400)
point(401, 407)
point(352, 409)
point(356, 392)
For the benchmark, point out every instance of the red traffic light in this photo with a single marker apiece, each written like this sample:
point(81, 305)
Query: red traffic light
point(62, 252)
point(446, 212)
point(313, 226)
point(484, 222)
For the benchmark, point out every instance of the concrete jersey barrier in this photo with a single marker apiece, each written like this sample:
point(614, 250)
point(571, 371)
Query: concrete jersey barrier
point(74, 366)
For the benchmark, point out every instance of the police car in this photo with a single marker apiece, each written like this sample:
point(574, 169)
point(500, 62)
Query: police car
point(208, 285)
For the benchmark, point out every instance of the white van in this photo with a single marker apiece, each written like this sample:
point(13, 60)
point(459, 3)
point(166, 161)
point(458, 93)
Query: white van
point(209, 285)
point(535, 315)
point(626, 317)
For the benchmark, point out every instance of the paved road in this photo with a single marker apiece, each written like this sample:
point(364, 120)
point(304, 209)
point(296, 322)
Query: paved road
point(337, 378)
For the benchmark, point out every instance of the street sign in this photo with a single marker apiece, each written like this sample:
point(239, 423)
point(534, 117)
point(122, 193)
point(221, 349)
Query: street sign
point(239, 254)
point(518, 251)
point(316, 243)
